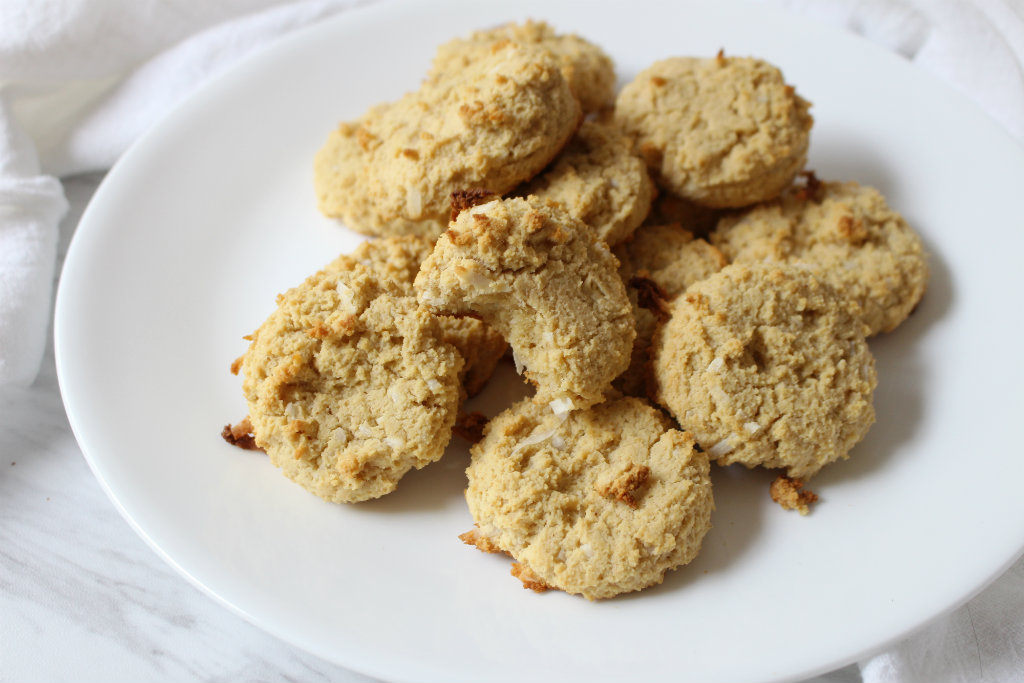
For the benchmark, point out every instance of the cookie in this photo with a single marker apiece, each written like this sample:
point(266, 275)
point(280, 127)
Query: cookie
point(768, 366)
point(670, 256)
point(597, 502)
point(849, 233)
point(507, 114)
point(350, 384)
point(600, 181)
point(399, 260)
point(721, 132)
point(588, 69)
point(658, 264)
point(543, 280)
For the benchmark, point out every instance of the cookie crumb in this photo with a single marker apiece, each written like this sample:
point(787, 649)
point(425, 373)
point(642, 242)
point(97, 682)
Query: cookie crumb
point(467, 199)
point(852, 229)
point(319, 331)
point(474, 538)
point(241, 435)
point(651, 296)
point(812, 189)
point(529, 579)
point(470, 426)
point(624, 486)
point(787, 493)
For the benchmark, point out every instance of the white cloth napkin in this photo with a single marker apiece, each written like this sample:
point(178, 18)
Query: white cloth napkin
point(31, 205)
point(81, 79)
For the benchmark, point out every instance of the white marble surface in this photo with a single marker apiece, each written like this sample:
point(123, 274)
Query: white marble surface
point(82, 597)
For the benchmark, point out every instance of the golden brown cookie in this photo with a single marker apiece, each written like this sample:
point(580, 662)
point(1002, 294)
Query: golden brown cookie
point(670, 256)
point(849, 233)
point(350, 384)
point(721, 132)
point(599, 180)
point(595, 502)
point(399, 260)
point(657, 265)
point(767, 366)
point(497, 124)
point(543, 280)
point(588, 69)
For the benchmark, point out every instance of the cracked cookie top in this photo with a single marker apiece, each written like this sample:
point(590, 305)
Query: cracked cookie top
point(595, 502)
point(493, 125)
point(845, 230)
point(588, 69)
point(350, 384)
point(543, 280)
point(399, 260)
point(722, 132)
point(599, 180)
point(768, 366)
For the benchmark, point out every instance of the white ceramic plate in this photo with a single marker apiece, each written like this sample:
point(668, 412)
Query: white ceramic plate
point(212, 213)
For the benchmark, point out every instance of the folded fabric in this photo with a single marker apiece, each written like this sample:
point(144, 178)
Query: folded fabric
point(31, 205)
point(976, 46)
point(79, 82)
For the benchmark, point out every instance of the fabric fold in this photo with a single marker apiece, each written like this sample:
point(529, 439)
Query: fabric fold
point(80, 81)
point(30, 210)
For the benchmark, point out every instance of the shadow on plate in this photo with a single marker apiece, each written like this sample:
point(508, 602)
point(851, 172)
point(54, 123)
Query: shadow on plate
point(900, 399)
point(841, 156)
point(431, 488)
point(736, 524)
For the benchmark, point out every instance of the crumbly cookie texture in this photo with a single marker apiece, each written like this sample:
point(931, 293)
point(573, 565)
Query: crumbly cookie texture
point(588, 69)
point(399, 260)
point(849, 233)
point(542, 279)
point(670, 256)
point(350, 384)
point(597, 502)
point(493, 125)
point(722, 132)
point(768, 366)
point(657, 265)
point(600, 181)
point(790, 494)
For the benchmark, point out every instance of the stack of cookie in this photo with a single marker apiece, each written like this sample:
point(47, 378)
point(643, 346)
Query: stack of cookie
point(673, 287)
